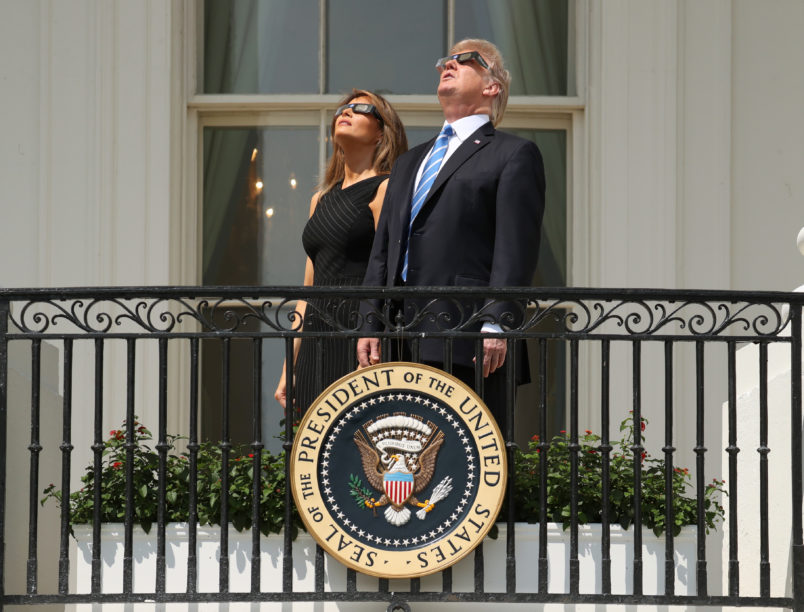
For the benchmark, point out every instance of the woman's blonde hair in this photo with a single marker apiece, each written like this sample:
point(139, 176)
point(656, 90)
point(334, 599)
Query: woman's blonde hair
point(497, 72)
point(392, 144)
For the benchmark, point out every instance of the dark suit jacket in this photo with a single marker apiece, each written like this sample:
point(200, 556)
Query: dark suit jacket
point(479, 226)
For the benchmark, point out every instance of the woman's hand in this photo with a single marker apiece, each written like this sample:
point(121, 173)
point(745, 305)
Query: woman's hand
point(281, 393)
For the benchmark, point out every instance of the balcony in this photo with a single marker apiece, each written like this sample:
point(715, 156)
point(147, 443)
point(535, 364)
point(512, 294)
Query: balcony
point(716, 374)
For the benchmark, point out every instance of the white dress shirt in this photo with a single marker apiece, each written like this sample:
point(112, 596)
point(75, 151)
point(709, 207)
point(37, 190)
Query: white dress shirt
point(463, 128)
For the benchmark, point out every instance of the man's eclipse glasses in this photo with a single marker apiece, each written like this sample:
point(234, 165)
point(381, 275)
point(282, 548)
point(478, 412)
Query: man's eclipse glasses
point(462, 58)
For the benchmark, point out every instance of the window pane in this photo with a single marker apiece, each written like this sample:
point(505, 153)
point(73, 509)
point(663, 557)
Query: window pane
point(418, 135)
point(243, 245)
point(552, 268)
point(252, 233)
point(261, 46)
point(550, 272)
point(384, 45)
point(532, 36)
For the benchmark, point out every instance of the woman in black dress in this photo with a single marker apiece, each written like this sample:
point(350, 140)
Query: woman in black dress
point(367, 137)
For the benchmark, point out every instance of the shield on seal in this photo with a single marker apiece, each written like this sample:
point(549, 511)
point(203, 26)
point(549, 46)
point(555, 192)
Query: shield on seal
point(398, 486)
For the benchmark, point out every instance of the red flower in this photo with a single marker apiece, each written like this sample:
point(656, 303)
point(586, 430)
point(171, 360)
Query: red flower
point(587, 431)
point(644, 454)
point(592, 451)
point(642, 426)
point(251, 455)
point(117, 465)
point(562, 431)
point(534, 437)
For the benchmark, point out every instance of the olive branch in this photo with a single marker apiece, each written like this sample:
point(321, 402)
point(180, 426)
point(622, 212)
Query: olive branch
point(360, 492)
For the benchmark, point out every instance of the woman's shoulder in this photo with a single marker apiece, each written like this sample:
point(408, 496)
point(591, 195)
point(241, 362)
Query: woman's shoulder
point(314, 201)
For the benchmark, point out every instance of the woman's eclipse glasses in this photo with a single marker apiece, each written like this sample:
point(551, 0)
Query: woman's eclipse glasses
point(362, 108)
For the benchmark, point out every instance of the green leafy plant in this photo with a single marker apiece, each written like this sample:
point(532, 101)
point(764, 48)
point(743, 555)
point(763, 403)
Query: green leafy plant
point(526, 474)
point(177, 485)
point(527, 478)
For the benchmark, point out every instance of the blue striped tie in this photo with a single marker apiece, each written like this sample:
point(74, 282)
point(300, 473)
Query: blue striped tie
point(425, 182)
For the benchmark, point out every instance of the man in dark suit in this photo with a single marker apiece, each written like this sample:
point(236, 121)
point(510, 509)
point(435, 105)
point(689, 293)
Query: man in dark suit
point(476, 198)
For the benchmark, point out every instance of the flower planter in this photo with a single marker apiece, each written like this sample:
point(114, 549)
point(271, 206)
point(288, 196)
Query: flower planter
point(527, 550)
point(590, 560)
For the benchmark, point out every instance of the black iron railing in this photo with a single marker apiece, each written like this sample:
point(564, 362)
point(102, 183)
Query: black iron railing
point(86, 354)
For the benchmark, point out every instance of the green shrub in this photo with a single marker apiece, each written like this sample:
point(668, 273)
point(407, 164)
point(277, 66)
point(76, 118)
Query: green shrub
point(527, 479)
point(177, 496)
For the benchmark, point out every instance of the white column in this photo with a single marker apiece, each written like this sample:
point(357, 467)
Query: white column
point(92, 170)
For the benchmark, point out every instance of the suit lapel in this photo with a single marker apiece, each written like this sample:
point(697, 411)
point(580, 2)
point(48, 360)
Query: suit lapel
point(408, 181)
point(476, 141)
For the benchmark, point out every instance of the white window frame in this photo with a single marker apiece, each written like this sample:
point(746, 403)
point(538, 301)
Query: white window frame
point(259, 110)
point(568, 113)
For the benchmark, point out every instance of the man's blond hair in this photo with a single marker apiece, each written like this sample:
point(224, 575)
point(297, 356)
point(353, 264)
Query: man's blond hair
point(497, 72)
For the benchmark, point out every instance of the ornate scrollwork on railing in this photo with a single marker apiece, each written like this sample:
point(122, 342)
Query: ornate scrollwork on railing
point(153, 315)
point(40, 316)
point(231, 315)
point(642, 317)
point(624, 315)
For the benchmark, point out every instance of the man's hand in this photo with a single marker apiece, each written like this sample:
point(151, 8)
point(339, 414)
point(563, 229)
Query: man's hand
point(368, 352)
point(494, 351)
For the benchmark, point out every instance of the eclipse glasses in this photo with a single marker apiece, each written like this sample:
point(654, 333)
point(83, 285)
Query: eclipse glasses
point(462, 58)
point(361, 108)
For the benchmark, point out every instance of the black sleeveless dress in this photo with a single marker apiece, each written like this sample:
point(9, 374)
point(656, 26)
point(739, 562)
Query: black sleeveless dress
point(337, 239)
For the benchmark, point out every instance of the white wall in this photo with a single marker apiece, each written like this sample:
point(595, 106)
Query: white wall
point(659, 201)
point(19, 146)
point(768, 144)
point(696, 144)
point(87, 140)
point(91, 117)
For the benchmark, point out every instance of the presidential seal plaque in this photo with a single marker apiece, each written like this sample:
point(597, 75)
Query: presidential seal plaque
point(398, 470)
